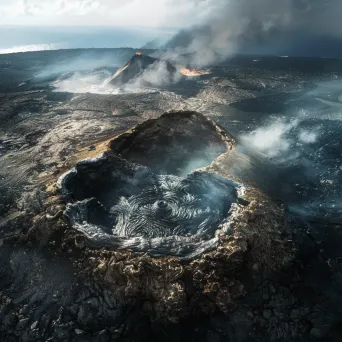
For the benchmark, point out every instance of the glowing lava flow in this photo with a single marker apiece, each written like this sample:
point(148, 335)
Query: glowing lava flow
point(193, 72)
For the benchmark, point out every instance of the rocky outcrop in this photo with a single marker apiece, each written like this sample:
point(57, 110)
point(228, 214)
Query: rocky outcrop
point(184, 244)
point(145, 250)
point(160, 70)
point(176, 143)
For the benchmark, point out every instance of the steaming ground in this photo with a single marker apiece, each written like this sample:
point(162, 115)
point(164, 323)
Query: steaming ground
point(57, 108)
point(282, 109)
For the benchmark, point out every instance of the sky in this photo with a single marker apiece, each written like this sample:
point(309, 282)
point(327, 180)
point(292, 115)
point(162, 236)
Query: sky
point(117, 13)
point(217, 26)
point(27, 25)
point(163, 14)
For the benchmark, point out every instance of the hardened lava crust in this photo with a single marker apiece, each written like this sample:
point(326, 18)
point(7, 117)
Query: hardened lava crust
point(172, 230)
point(149, 238)
point(142, 195)
point(183, 239)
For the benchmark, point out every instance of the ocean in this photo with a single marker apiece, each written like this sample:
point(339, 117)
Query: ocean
point(22, 39)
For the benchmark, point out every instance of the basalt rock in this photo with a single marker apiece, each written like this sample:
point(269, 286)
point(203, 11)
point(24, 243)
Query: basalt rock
point(118, 203)
point(57, 285)
point(140, 63)
point(183, 244)
point(176, 143)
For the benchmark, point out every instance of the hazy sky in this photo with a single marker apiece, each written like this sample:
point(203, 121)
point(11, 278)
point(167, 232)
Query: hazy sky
point(212, 25)
point(119, 13)
point(170, 13)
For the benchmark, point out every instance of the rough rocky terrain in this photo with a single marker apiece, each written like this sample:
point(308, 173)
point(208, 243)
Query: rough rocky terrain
point(275, 276)
point(137, 67)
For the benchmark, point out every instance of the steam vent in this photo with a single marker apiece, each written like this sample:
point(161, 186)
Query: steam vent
point(140, 63)
point(160, 196)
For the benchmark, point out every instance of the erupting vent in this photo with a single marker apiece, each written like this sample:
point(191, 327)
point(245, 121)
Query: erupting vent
point(193, 72)
point(134, 69)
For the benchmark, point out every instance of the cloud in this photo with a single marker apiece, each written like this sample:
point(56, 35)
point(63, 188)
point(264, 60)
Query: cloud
point(234, 16)
point(119, 13)
point(216, 28)
point(76, 7)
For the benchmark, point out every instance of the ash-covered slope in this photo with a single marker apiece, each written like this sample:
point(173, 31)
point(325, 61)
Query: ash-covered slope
point(140, 63)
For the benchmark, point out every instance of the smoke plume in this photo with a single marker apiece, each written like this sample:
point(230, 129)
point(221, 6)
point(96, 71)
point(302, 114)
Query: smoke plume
point(228, 25)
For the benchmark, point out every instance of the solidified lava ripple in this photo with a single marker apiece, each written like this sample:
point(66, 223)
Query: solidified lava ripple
point(116, 203)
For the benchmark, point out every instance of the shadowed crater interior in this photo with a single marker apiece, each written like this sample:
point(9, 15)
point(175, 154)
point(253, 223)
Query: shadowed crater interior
point(176, 143)
point(138, 195)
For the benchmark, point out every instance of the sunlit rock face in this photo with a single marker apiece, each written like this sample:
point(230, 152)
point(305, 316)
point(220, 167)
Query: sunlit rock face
point(156, 209)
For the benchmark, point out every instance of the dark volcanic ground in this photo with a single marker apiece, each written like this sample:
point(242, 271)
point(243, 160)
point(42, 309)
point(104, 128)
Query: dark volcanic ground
point(285, 113)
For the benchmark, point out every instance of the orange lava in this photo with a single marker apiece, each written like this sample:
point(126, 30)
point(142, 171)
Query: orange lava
point(193, 72)
point(138, 53)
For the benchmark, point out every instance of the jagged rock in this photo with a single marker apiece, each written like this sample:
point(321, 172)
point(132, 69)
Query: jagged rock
point(116, 203)
point(132, 198)
point(138, 64)
point(45, 263)
point(176, 143)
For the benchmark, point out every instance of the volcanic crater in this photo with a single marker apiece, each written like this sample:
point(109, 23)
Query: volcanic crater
point(144, 195)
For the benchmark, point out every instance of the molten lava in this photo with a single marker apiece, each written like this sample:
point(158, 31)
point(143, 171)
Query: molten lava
point(193, 72)
point(138, 53)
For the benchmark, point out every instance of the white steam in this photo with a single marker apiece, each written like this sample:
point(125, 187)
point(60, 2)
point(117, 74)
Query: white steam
point(226, 24)
point(80, 83)
point(84, 62)
point(307, 137)
point(271, 140)
point(89, 74)
point(156, 75)
point(277, 138)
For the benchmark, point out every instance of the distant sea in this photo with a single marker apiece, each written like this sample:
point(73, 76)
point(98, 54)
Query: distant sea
point(22, 39)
